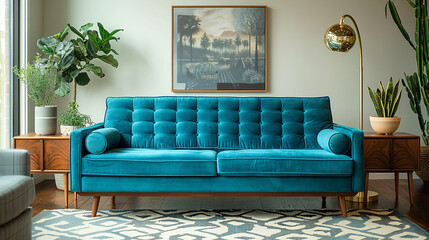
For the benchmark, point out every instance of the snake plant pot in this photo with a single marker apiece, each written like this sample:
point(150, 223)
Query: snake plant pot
point(45, 120)
point(384, 125)
point(423, 172)
point(66, 130)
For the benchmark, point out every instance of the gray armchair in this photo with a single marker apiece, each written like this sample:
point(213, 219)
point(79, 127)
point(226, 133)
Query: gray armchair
point(16, 194)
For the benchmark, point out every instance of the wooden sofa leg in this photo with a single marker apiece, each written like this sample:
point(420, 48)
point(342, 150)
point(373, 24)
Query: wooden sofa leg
point(342, 201)
point(95, 202)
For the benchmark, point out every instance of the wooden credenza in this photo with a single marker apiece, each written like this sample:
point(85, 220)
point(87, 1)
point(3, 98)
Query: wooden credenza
point(50, 154)
point(391, 153)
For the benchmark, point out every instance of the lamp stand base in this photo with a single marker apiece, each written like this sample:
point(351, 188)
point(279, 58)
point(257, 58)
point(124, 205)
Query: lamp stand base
point(372, 197)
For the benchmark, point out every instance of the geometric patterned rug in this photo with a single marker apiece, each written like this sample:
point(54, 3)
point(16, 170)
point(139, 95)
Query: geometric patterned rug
point(224, 224)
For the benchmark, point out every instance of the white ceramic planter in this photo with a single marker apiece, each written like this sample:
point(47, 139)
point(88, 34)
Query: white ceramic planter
point(384, 125)
point(66, 130)
point(45, 120)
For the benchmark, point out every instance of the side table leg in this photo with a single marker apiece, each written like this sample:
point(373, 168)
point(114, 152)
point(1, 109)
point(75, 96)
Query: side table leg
point(66, 191)
point(396, 185)
point(410, 186)
point(75, 200)
point(365, 192)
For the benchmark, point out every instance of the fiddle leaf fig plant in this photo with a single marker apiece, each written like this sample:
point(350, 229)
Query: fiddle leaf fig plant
point(386, 100)
point(74, 58)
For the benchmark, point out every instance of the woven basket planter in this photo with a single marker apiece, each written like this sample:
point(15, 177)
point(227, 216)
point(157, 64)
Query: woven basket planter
point(424, 164)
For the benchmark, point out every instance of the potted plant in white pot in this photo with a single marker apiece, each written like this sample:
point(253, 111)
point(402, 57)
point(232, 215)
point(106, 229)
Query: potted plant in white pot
point(386, 102)
point(72, 119)
point(41, 81)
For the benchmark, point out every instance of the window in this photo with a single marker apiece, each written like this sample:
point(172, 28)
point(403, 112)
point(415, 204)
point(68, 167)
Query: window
point(5, 126)
point(7, 60)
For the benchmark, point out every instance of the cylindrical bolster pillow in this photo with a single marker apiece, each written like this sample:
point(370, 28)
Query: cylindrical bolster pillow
point(102, 140)
point(333, 141)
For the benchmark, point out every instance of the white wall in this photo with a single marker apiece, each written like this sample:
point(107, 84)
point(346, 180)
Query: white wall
point(298, 62)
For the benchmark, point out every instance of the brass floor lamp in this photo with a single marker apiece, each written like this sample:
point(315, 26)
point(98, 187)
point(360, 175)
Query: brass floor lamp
point(341, 38)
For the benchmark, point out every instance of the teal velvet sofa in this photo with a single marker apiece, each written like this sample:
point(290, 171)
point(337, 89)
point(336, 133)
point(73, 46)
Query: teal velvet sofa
point(217, 146)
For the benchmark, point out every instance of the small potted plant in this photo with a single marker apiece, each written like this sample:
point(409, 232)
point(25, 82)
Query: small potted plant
point(72, 119)
point(41, 81)
point(386, 102)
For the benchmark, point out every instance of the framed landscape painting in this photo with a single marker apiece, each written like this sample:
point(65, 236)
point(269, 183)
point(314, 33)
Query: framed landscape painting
point(219, 49)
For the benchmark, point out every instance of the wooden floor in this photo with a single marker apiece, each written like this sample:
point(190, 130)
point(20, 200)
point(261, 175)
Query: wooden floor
point(49, 197)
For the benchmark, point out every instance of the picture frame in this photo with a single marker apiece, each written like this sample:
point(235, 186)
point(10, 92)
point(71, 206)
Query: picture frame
point(219, 49)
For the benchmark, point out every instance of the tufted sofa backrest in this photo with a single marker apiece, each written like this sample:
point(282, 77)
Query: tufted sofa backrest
point(218, 122)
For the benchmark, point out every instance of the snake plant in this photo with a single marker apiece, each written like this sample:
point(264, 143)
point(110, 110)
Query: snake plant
point(386, 100)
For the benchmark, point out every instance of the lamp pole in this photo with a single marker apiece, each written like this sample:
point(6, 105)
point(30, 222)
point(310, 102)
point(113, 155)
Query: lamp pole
point(360, 70)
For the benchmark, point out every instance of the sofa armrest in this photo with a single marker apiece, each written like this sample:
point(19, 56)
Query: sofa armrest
point(356, 151)
point(77, 151)
point(14, 162)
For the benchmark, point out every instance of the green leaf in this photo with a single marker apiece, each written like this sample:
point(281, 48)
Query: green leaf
point(103, 33)
point(67, 78)
point(95, 69)
point(397, 20)
point(111, 36)
point(106, 48)
point(62, 88)
point(64, 48)
point(396, 104)
point(383, 96)
point(79, 49)
point(85, 27)
point(91, 49)
point(411, 96)
point(66, 61)
point(93, 37)
point(395, 89)
point(74, 73)
point(73, 29)
point(412, 4)
point(425, 98)
point(114, 32)
point(374, 101)
point(82, 79)
point(110, 59)
point(63, 34)
point(385, 9)
point(114, 51)
point(389, 91)
point(382, 109)
point(47, 44)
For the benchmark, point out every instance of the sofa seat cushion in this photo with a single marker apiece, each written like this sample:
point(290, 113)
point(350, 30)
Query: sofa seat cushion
point(150, 162)
point(283, 162)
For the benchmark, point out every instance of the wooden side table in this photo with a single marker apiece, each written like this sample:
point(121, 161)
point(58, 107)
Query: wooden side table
point(50, 154)
point(391, 153)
